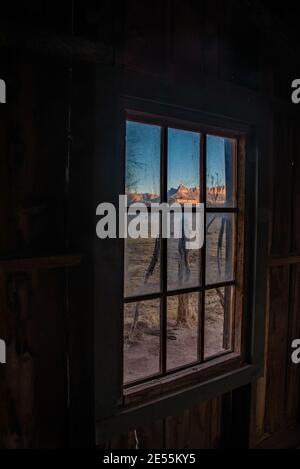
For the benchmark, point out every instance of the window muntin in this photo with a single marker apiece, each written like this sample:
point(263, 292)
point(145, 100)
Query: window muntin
point(195, 325)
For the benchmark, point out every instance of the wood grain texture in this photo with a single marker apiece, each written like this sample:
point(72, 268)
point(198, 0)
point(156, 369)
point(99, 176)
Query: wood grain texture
point(278, 348)
point(186, 46)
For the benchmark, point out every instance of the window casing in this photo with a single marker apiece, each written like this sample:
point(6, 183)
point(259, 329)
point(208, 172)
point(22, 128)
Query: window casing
point(211, 109)
point(218, 268)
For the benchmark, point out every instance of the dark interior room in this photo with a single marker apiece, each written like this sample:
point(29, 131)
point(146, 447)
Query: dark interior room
point(150, 232)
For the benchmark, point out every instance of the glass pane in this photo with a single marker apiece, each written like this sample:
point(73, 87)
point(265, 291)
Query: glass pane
point(220, 236)
point(182, 329)
point(141, 340)
point(184, 265)
point(221, 179)
point(183, 166)
point(218, 320)
point(142, 162)
point(142, 260)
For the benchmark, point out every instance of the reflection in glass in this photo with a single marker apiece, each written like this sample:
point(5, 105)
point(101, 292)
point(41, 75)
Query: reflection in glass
point(218, 320)
point(183, 166)
point(220, 167)
point(220, 247)
point(141, 340)
point(142, 260)
point(142, 162)
point(184, 265)
point(182, 330)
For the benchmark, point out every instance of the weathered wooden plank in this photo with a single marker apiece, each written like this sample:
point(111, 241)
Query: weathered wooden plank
point(47, 342)
point(286, 438)
point(296, 187)
point(178, 431)
point(292, 398)
point(282, 187)
point(215, 426)
point(143, 43)
point(33, 162)
point(258, 401)
point(196, 427)
point(277, 351)
point(211, 37)
point(186, 33)
point(277, 261)
point(150, 436)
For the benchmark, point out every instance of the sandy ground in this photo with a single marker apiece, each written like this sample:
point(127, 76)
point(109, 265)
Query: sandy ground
point(141, 350)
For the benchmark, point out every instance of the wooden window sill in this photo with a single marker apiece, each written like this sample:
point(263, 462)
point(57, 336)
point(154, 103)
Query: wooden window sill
point(154, 406)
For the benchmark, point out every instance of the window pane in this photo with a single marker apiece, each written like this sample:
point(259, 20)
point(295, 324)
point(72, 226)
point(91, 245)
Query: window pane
point(184, 265)
point(218, 320)
point(182, 329)
point(183, 166)
point(141, 340)
point(220, 236)
point(221, 180)
point(142, 162)
point(142, 261)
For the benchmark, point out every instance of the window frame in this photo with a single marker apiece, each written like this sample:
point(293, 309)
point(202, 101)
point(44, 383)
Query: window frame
point(132, 390)
point(150, 404)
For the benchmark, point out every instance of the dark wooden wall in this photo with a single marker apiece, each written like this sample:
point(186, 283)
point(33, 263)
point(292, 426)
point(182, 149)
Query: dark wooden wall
point(243, 43)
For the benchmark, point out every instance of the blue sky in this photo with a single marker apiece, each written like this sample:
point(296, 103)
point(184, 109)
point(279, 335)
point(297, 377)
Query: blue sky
point(143, 158)
point(183, 158)
point(215, 160)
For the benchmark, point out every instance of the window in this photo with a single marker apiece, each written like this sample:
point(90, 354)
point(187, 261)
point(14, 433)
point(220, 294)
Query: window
point(182, 308)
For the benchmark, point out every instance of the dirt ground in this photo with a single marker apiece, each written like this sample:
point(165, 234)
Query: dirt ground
point(141, 348)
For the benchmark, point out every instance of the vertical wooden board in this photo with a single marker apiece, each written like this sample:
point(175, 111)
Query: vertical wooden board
point(7, 439)
point(296, 186)
point(142, 45)
point(277, 350)
point(240, 425)
point(94, 20)
point(257, 427)
point(36, 396)
point(215, 431)
point(293, 377)
point(258, 404)
point(190, 429)
point(34, 386)
point(124, 441)
point(211, 37)
point(50, 121)
point(5, 208)
point(239, 45)
point(178, 431)
point(282, 187)
point(151, 436)
point(201, 426)
point(15, 166)
point(34, 154)
point(47, 342)
point(81, 229)
point(186, 32)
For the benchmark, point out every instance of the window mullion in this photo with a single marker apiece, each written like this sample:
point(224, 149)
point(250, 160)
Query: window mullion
point(164, 250)
point(201, 320)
